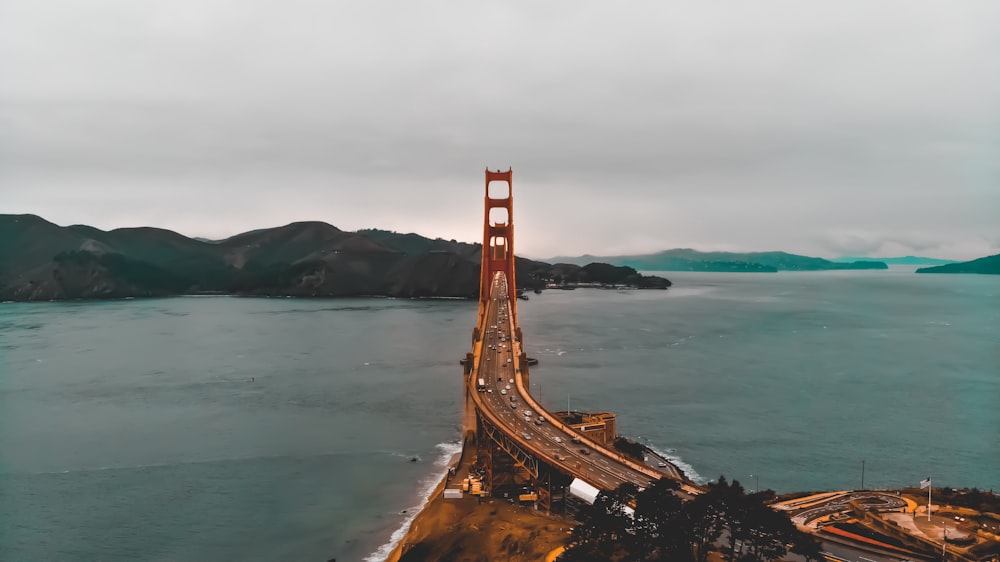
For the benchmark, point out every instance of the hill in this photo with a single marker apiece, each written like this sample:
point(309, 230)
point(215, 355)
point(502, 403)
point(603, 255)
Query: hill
point(903, 260)
point(683, 259)
point(40, 260)
point(989, 265)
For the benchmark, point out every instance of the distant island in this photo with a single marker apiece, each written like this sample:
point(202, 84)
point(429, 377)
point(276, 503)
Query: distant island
point(989, 265)
point(684, 259)
point(903, 260)
point(40, 260)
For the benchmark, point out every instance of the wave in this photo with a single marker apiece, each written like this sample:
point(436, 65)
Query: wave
point(686, 468)
point(448, 451)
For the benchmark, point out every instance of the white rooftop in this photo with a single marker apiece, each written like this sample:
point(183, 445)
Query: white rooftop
point(584, 491)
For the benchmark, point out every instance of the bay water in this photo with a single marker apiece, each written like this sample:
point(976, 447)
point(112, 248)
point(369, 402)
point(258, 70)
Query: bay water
point(219, 428)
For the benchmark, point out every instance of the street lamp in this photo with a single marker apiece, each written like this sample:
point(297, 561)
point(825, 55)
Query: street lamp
point(756, 478)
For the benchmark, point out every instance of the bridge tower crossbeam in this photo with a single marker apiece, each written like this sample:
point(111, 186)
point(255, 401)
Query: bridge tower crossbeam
point(498, 240)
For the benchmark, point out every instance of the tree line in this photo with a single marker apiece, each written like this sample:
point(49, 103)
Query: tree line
point(655, 524)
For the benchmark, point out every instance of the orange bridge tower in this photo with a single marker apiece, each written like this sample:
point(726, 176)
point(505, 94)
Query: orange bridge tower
point(498, 237)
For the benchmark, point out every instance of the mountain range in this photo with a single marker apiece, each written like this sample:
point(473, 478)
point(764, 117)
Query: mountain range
point(40, 260)
point(684, 259)
point(902, 260)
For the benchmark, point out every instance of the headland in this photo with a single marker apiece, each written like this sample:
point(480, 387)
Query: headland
point(879, 524)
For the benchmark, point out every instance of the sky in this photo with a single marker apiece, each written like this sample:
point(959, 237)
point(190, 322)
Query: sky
point(828, 129)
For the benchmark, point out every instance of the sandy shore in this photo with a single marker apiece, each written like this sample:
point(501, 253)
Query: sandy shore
point(467, 530)
point(479, 530)
point(475, 529)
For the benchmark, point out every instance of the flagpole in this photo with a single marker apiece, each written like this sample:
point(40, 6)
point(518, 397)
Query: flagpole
point(930, 486)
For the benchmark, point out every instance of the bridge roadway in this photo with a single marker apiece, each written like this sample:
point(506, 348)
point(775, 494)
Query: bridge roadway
point(509, 406)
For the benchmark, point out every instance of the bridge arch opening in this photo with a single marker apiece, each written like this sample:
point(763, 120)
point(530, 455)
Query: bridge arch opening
point(498, 190)
point(498, 247)
point(499, 216)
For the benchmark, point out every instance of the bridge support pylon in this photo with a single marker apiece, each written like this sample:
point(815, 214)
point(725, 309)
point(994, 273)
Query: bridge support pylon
point(497, 256)
point(498, 238)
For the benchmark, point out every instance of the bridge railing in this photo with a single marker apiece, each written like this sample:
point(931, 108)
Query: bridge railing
point(517, 349)
point(584, 440)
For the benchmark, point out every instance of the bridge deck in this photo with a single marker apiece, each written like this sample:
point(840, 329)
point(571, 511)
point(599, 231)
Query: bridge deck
point(495, 357)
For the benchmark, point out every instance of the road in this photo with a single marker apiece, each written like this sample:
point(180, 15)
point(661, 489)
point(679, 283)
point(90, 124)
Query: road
point(504, 398)
point(841, 503)
point(841, 553)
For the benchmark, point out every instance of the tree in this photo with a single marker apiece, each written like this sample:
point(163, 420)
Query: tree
point(808, 547)
point(662, 527)
point(704, 515)
point(661, 530)
point(766, 531)
point(605, 528)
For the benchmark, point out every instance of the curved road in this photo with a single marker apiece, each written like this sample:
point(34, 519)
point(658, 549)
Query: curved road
point(505, 401)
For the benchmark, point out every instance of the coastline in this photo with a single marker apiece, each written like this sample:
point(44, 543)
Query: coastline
point(390, 550)
point(448, 529)
point(412, 530)
point(472, 528)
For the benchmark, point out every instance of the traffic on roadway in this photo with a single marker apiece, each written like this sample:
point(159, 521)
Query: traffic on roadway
point(496, 378)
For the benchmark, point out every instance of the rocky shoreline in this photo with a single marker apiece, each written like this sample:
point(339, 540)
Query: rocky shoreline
point(887, 523)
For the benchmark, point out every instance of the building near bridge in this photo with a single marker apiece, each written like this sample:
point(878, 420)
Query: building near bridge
point(596, 426)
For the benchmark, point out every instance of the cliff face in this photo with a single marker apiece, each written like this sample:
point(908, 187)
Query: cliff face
point(43, 261)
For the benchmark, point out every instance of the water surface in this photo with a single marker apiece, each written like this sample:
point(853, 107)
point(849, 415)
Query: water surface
point(227, 428)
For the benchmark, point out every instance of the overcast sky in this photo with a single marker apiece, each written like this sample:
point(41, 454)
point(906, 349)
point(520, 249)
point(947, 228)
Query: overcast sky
point(829, 129)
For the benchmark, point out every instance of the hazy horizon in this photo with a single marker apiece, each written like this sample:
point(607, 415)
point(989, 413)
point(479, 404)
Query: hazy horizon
point(534, 257)
point(837, 129)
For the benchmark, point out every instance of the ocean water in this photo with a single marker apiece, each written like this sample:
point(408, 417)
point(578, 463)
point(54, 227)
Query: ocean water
point(209, 428)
